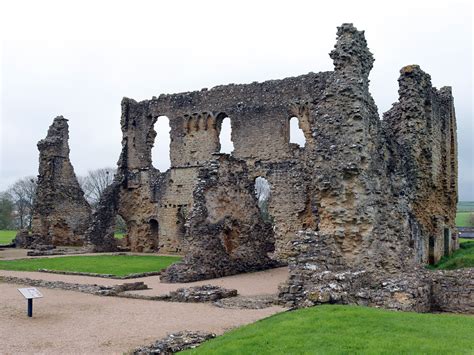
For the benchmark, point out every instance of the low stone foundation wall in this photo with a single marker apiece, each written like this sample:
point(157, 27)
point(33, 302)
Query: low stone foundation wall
point(318, 275)
point(453, 291)
point(69, 286)
point(174, 343)
point(398, 292)
point(196, 294)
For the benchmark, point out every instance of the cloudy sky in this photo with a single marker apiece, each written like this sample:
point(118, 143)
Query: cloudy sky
point(79, 58)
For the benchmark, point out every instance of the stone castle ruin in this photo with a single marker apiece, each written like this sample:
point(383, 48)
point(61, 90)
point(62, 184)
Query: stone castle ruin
point(366, 196)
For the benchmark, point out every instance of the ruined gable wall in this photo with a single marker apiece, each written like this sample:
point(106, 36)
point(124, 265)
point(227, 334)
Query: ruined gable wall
point(60, 211)
point(421, 132)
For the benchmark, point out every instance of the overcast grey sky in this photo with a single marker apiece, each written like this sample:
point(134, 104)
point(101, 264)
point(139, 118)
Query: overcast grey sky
point(79, 58)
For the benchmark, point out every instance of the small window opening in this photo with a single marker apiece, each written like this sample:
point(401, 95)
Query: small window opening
point(160, 152)
point(225, 137)
point(296, 133)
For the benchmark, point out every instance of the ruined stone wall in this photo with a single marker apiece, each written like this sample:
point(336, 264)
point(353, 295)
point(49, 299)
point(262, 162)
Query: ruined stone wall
point(376, 191)
point(319, 275)
point(421, 133)
point(60, 212)
point(226, 232)
point(453, 291)
point(259, 115)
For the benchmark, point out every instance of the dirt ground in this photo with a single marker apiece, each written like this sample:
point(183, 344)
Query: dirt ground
point(69, 322)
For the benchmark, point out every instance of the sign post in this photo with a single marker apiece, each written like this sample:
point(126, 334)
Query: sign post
point(30, 293)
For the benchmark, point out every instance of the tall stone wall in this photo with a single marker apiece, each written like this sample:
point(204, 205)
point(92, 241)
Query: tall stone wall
point(60, 212)
point(420, 131)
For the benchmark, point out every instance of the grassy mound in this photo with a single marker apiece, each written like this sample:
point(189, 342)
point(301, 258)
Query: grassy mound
point(119, 265)
point(461, 258)
point(348, 330)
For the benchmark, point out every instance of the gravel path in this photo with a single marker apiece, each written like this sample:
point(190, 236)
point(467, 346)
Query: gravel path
point(67, 322)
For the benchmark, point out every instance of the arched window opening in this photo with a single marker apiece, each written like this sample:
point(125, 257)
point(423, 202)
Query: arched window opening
point(263, 192)
point(225, 137)
point(160, 153)
point(120, 227)
point(296, 133)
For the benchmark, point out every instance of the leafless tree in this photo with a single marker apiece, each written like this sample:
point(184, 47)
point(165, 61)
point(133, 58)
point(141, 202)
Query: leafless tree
point(95, 183)
point(23, 193)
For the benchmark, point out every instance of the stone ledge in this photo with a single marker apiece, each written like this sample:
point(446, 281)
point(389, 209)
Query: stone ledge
point(198, 294)
point(85, 288)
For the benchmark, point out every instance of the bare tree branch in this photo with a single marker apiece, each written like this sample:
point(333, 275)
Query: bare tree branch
point(23, 193)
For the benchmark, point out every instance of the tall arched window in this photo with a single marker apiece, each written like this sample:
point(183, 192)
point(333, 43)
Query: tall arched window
point(225, 137)
point(160, 154)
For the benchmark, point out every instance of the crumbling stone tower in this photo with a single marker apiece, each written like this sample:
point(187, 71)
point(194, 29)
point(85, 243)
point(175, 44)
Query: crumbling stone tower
point(60, 212)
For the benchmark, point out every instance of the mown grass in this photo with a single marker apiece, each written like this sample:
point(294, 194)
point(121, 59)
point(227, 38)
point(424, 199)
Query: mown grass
point(6, 236)
point(463, 219)
point(335, 329)
point(461, 258)
point(119, 265)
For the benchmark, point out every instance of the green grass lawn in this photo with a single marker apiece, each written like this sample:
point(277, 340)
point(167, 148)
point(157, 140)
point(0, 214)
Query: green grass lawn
point(461, 258)
point(119, 265)
point(335, 329)
point(6, 236)
point(463, 219)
